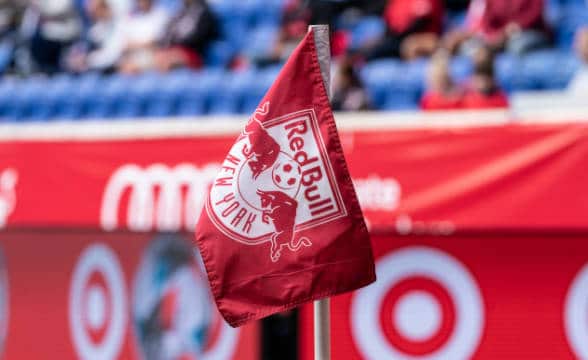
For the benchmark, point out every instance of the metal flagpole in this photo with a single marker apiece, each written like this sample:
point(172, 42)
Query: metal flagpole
point(322, 317)
point(322, 329)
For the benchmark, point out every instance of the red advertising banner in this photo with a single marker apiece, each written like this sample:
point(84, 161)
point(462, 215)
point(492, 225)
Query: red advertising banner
point(431, 181)
point(508, 296)
point(91, 295)
point(482, 251)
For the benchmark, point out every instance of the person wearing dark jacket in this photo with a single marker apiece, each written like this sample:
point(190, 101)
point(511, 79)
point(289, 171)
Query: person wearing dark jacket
point(188, 34)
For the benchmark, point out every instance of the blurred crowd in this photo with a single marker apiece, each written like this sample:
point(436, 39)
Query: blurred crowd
point(136, 36)
point(128, 36)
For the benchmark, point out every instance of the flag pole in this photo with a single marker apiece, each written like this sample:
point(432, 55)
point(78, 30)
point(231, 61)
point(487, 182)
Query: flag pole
point(322, 317)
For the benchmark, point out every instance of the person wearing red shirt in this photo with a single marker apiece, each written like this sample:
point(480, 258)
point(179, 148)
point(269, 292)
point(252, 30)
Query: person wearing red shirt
point(413, 29)
point(442, 93)
point(482, 91)
point(517, 26)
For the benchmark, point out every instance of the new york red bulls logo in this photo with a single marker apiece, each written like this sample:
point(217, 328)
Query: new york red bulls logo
point(276, 183)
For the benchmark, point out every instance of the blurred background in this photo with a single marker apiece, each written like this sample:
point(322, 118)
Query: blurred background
point(463, 123)
point(150, 58)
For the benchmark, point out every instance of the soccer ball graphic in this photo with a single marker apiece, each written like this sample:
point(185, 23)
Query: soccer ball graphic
point(286, 174)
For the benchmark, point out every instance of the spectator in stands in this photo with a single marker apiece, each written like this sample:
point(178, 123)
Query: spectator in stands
point(10, 15)
point(413, 29)
point(186, 36)
point(143, 29)
point(516, 26)
point(442, 93)
point(294, 25)
point(104, 41)
point(482, 91)
point(177, 42)
point(348, 91)
point(10, 18)
point(49, 26)
point(579, 83)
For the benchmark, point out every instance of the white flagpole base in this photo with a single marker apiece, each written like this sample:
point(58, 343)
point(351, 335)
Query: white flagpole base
point(322, 330)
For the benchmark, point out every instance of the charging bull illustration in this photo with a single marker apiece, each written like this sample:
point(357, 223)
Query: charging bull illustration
point(263, 150)
point(280, 210)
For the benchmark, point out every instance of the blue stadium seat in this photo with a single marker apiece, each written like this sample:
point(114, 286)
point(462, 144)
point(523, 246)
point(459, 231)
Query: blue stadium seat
point(400, 100)
point(229, 98)
point(260, 41)
point(572, 17)
point(267, 12)
point(60, 99)
point(219, 54)
point(255, 91)
point(233, 21)
point(6, 51)
point(107, 95)
point(7, 92)
point(508, 74)
point(77, 96)
point(378, 76)
point(366, 30)
point(27, 99)
point(406, 86)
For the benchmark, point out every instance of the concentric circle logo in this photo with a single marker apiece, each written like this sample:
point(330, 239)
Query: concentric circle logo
point(576, 314)
point(97, 304)
point(173, 313)
point(425, 305)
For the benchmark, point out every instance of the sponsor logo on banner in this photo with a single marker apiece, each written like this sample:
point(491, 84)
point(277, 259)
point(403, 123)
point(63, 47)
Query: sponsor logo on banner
point(173, 313)
point(8, 182)
point(97, 304)
point(158, 197)
point(378, 194)
point(425, 305)
point(4, 306)
point(275, 182)
point(576, 314)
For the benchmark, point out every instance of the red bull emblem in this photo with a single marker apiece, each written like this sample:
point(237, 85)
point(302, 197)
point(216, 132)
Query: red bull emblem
point(275, 183)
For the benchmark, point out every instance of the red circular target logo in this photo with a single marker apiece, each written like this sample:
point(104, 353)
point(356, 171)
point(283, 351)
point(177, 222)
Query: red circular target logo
point(425, 305)
point(97, 304)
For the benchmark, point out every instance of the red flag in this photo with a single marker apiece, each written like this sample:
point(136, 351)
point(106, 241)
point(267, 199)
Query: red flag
point(282, 224)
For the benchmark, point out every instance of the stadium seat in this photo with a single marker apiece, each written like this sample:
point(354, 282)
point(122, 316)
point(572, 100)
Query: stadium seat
point(257, 89)
point(507, 72)
point(366, 30)
point(229, 98)
point(27, 99)
point(400, 100)
point(378, 76)
point(6, 50)
point(7, 93)
point(219, 54)
point(267, 12)
point(106, 96)
point(260, 41)
point(573, 16)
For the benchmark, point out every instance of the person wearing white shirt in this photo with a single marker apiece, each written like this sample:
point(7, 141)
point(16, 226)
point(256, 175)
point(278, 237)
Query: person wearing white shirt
point(142, 30)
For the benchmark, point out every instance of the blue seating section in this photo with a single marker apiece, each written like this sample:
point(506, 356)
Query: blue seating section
point(391, 84)
point(90, 96)
point(250, 27)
